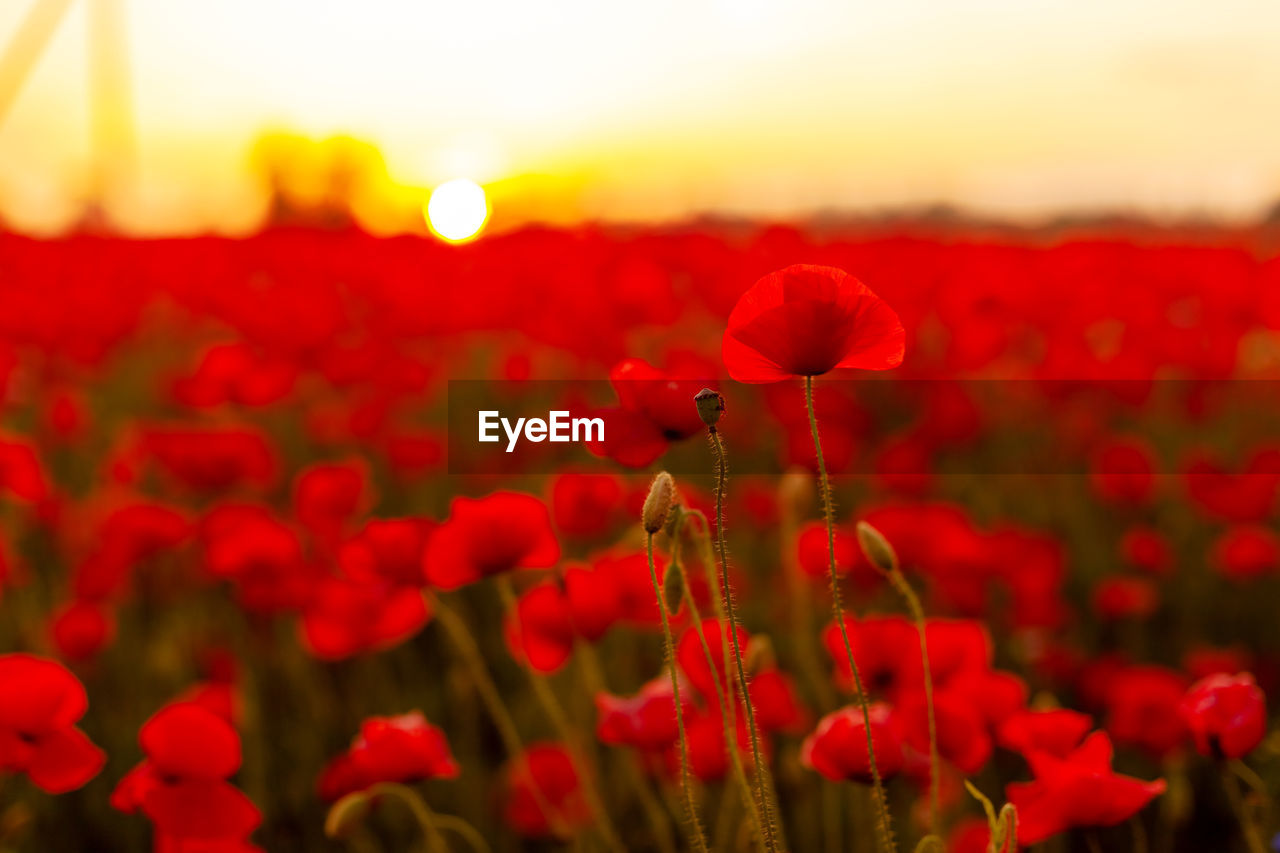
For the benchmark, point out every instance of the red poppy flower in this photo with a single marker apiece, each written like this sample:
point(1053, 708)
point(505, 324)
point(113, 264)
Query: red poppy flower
point(693, 659)
point(1125, 598)
point(540, 630)
point(886, 648)
point(260, 554)
point(549, 767)
point(390, 749)
point(585, 505)
point(813, 553)
point(344, 618)
point(805, 320)
point(1123, 471)
point(389, 549)
point(181, 785)
point(777, 706)
point(622, 580)
point(40, 703)
point(22, 474)
point(213, 459)
point(1146, 549)
point(645, 721)
point(1245, 552)
point(1244, 497)
point(81, 629)
point(595, 599)
point(1079, 790)
point(1227, 715)
point(837, 748)
point(663, 397)
point(327, 496)
point(234, 373)
point(708, 748)
point(1056, 732)
point(488, 536)
point(1142, 709)
point(962, 731)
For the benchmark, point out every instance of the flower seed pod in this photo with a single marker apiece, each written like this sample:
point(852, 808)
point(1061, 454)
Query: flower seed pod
point(877, 548)
point(710, 407)
point(658, 504)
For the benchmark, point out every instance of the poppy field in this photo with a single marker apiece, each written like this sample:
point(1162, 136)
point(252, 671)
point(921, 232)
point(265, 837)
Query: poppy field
point(905, 537)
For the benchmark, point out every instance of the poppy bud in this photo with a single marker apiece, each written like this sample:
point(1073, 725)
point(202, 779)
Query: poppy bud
point(658, 504)
point(672, 589)
point(710, 406)
point(347, 815)
point(877, 548)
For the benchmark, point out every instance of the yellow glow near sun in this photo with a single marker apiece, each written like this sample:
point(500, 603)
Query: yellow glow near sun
point(457, 210)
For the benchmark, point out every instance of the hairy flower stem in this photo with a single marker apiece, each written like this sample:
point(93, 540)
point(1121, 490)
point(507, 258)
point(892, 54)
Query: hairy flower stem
point(735, 758)
point(917, 614)
point(655, 812)
point(694, 828)
point(466, 646)
point(564, 729)
point(762, 769)
point(799, 592)
point(884, 830)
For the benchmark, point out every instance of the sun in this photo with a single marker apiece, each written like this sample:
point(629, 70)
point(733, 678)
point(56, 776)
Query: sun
point(457, 210)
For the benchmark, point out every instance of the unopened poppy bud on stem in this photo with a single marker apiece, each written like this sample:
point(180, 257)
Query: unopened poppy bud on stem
point(658, 504)
point(877, 548)
point(710, 407)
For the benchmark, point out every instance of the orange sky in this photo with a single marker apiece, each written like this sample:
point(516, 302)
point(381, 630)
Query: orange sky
point(663, 109)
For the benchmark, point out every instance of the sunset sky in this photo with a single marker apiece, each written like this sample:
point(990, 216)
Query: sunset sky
point(668, 108)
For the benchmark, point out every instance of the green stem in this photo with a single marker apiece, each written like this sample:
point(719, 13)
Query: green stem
point(564, 729)
point(917, 614)
point(883, 827)
point(730, 728)
point(761, 768)
point(474, 661)
point(694, 828)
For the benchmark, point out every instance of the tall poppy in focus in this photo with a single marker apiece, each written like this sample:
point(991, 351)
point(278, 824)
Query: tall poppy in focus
point(806, 320)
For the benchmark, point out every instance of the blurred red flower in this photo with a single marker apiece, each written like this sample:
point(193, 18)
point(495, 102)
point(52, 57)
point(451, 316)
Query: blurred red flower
point(1245, 552)
point(1078, 790)
point(182, 786)
point(1142, 709)
point(692, 658)
point(40, 703)
point(549, 769)
point(1227, 715)
point(389, 749)
point(488, 536)
point(645, 721)
point(1056, 732)
point(837, 748)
